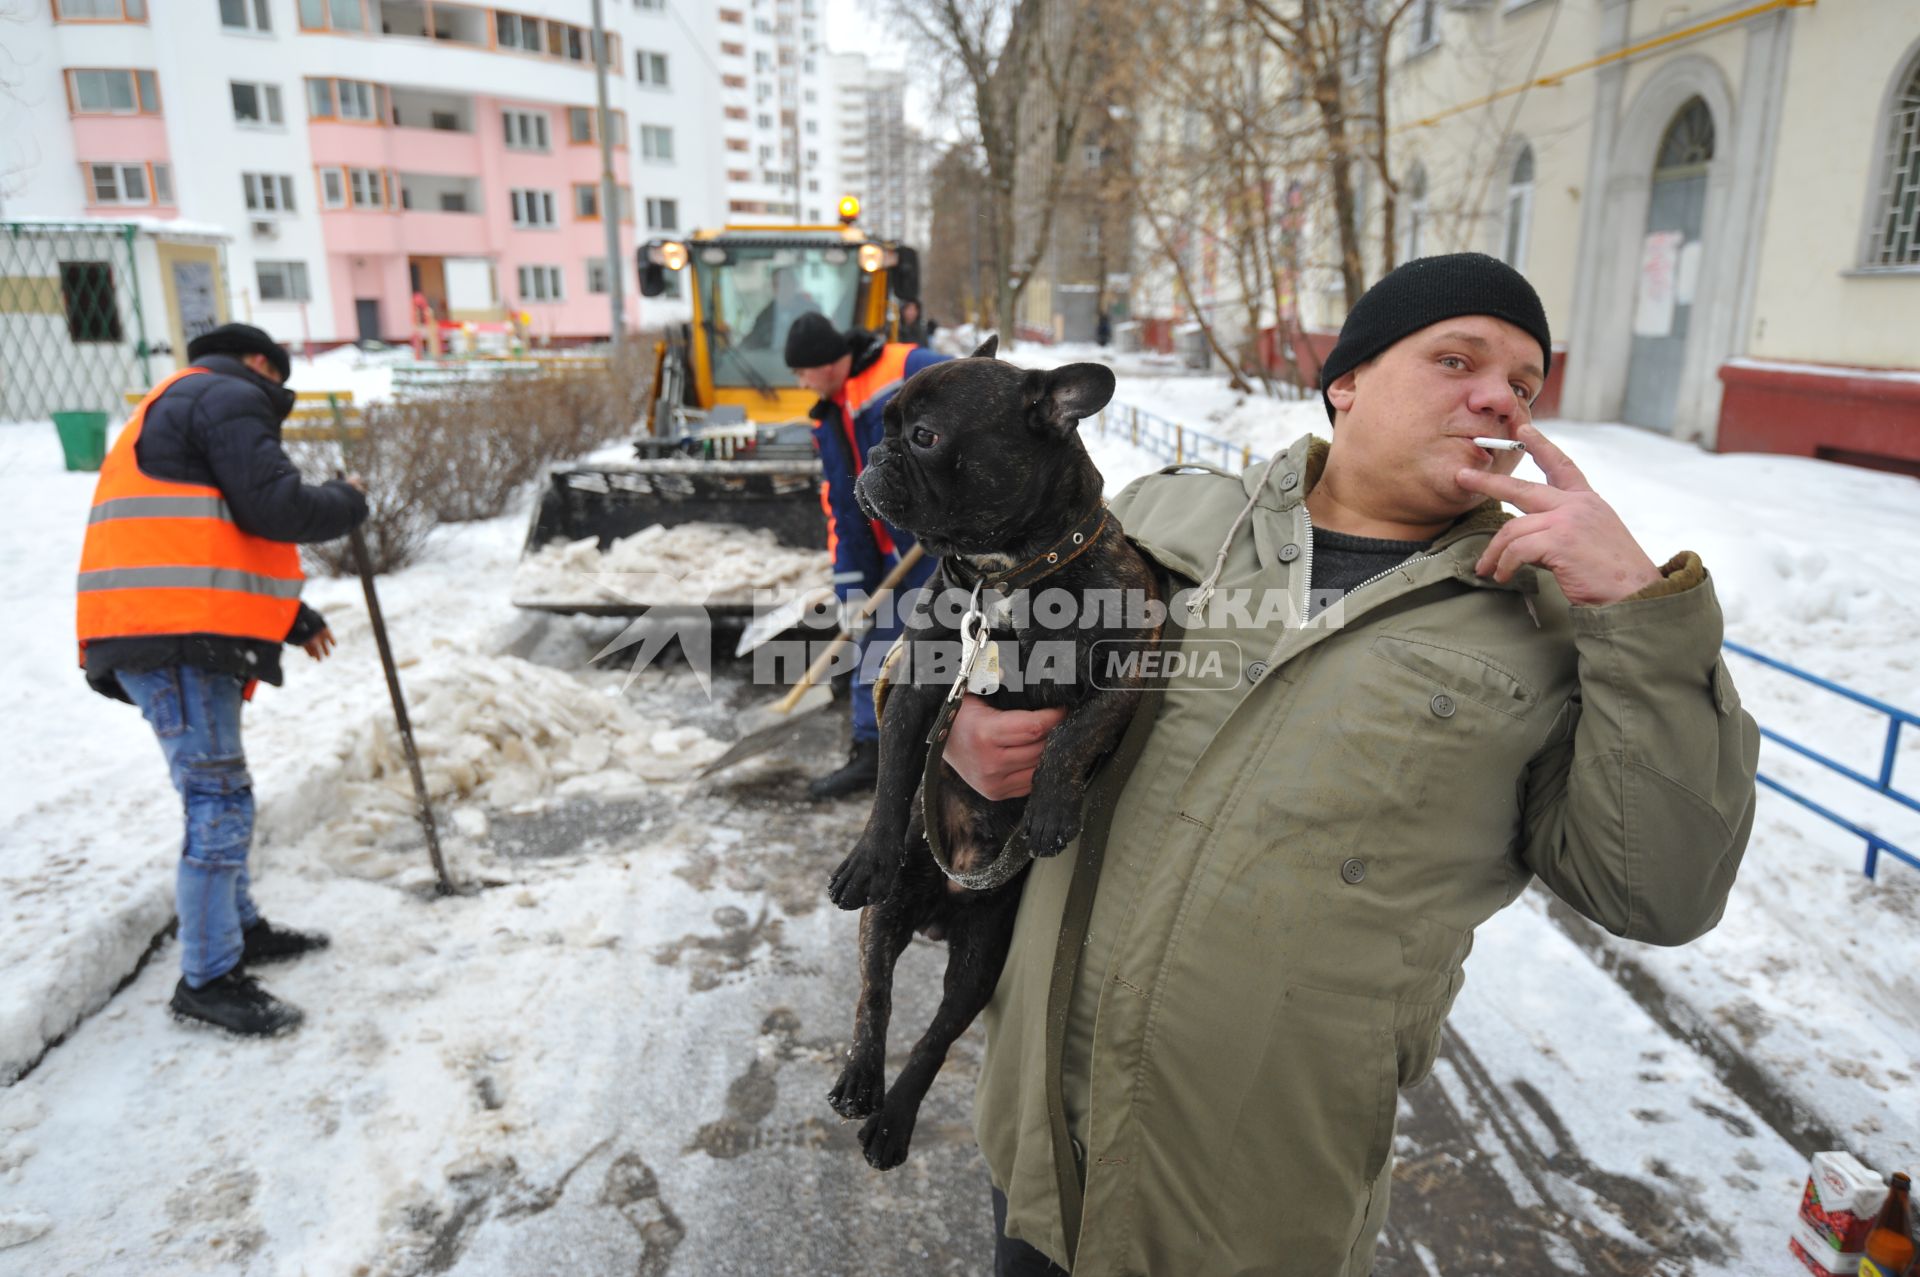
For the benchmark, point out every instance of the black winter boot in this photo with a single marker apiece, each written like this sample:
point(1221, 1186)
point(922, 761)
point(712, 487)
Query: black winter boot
point(237, 1004)
point(857, 777)
point(267, 943)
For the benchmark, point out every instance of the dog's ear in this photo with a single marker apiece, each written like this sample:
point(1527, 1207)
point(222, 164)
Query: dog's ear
point(986, 348)
point(1058, 398)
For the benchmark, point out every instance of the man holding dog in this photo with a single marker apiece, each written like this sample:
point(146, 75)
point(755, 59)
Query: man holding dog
point(189, 586)
point(1296, 865)
point(855, 374)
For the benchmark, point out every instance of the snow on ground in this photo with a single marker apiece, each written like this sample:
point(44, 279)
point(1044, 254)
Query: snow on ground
point(695, 563)
point(482, 995)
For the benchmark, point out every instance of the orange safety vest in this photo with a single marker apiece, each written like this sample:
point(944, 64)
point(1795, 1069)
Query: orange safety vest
point(882, 375)
point(167, 558)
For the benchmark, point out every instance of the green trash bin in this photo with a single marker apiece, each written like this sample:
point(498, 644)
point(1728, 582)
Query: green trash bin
point(83, 437)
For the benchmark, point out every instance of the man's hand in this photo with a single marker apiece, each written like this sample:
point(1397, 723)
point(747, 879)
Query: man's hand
point(996, 750)
point(358, 484)
point(1564, 527)
point(319, 646)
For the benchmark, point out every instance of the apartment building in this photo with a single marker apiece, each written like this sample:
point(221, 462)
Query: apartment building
point(361, 152)
point(883, 160)
point(776, 112)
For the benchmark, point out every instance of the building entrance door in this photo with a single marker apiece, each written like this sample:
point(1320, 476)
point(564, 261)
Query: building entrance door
point(366, 314)
point(1669, 268)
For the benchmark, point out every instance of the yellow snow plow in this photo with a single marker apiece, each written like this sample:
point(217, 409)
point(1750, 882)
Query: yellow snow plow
point(726, 450)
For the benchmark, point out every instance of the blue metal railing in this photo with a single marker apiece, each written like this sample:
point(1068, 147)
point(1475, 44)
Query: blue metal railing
point(1169, 439)
point(1881, 784)
point(1180, 444)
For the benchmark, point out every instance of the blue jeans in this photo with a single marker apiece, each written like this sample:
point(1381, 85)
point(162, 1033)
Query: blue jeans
point(890, 620)
point(196, 715)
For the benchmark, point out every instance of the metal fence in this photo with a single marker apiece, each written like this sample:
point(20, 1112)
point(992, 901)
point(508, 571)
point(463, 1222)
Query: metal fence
point(72, 336)
point(1177, 443)
point(1881, 783)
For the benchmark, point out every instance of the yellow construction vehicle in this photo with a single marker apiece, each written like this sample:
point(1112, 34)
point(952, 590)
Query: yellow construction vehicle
point(727, 438)
point(745, 284)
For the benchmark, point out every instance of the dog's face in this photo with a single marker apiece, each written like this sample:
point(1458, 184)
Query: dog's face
point(978, 453)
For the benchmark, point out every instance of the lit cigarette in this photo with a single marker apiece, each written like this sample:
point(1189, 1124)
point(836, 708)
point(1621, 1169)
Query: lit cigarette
point(1498, 445)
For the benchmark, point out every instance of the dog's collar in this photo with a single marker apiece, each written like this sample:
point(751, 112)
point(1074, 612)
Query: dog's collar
point(1078, 540)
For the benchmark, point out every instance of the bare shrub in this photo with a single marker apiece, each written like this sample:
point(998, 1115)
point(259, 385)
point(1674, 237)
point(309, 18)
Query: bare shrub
point(466, 452)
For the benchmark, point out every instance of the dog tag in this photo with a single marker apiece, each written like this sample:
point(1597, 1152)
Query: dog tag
point(984, 678)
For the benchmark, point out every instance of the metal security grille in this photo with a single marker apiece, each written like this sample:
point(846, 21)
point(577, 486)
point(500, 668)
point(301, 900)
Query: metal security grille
point(71, 335)
point(1894, 238)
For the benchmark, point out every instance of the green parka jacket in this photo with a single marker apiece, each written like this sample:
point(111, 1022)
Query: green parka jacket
point(1297, 864)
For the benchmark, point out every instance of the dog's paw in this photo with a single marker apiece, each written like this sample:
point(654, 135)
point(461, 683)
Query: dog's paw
point(851, 884)
point(885, 1137)
point(859, 1091)
point(1051, 825)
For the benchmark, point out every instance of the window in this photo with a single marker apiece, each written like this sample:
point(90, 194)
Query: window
point(99, 10)
point(734, 16)
point(346, 100)
point(162, 182)
point(1894, 232)
point(1426, 25)
point(282, 281)
point(1513, 245)
point(650, 68)
point(1416, 213)
point(526, 130)
point(581, 121)
point(597, 281)
point(246, 15)
point(366, 187)
point(268, 192)
point(656, 142)
point(540, 284)
point(533, 209)
point(733, 50)
point(663, 215)
point(113, 92)
point(333, 188)
point(332, 15)
point(511, 31)
point(586, 202)
point(93, 315)
point(256, 104)
point(119, 184)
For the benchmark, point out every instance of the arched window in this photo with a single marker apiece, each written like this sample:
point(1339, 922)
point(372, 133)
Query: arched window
point(1893, 234)
point(1688, 144)
point(1513, 242)
point(1416, 214)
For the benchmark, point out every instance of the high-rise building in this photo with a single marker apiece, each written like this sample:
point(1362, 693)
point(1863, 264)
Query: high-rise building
point(360, 153)
point(776, 111)
point(883, 159)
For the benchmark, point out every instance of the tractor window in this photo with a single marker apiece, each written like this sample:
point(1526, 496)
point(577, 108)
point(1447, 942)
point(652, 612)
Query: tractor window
point(753, 297)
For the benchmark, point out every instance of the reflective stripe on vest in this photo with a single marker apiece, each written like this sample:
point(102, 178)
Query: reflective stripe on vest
point(162, 557)
point(876, 379)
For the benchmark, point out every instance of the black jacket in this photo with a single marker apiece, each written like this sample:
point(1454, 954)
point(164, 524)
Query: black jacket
point(223, 431)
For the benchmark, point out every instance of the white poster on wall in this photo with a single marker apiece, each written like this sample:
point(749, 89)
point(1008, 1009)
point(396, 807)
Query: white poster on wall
point(1659, 273)
point(1689, 280)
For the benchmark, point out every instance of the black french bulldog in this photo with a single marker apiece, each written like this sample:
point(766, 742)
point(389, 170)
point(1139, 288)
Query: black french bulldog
point(981, 461)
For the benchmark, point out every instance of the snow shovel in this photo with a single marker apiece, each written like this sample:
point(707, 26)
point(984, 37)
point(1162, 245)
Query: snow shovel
point(443, 885)
point(766, 726)
point(781, 619)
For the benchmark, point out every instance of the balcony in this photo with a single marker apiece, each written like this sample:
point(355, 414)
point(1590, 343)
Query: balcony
point(426, 109)
point(436, 193)
point(450, 23)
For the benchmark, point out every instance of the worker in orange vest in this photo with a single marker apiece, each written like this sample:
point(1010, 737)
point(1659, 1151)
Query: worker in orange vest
point(855, 374)
point(189, 585)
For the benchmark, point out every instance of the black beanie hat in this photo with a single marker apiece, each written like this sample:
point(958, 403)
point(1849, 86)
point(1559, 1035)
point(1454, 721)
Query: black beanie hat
point(813, 342)
point(1425, 291)
point(240, 339)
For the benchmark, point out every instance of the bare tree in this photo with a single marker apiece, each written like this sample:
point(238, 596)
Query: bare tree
point(1026, 70)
